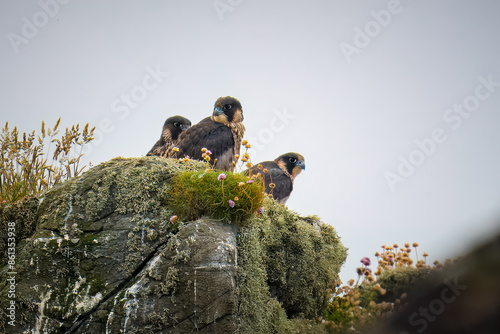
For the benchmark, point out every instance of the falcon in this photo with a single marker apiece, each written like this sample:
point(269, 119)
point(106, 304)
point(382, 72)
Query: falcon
point(219, 136)
point(279, 175)
point(172, 128)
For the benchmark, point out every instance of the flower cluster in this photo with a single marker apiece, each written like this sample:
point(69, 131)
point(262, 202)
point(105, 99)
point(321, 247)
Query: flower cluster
point(206, 155)
point(364, 270)
point(366, 261)
point(271, 184)
point(245, 157)
point(358, 303)
point(348, 309)
point(395, 256)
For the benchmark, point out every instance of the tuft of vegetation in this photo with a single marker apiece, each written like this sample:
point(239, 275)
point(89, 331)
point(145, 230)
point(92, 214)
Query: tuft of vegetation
point(25, 166)
point(226, 196)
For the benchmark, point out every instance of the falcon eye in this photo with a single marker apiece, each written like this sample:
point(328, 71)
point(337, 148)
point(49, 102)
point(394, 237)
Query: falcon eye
point(293, 160)
point(228, 106)
point(177, 124)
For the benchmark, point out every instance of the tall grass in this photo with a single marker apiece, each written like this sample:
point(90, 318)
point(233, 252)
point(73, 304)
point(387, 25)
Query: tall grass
point(27, 168)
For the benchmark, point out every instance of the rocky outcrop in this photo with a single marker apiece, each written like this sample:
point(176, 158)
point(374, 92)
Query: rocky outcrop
point(99, 254)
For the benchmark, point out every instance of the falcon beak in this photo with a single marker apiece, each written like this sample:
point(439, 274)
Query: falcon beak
point(218, 111)
point(301, 164)
point(184, 127)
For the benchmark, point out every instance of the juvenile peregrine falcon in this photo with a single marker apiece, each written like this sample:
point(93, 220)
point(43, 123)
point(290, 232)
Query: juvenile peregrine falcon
point(172, 128)
point(221, 134)
point(278, 175)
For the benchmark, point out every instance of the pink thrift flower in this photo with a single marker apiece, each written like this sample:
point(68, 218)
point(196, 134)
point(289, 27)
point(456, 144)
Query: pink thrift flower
point(250, 181)
point(221, 177)
point(366, 261)
point(231, 203)
point(173, 219)
point(260, 210)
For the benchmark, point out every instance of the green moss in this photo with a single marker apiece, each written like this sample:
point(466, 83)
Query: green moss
point(400, 280)
point(23, 215)
point(303, 259)
point(97, 283)
point(256, 305)
point(287, 264)
point(195, 194)
point(88, 239)
point(300, 326)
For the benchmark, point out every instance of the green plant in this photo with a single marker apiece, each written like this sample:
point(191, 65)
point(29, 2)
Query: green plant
point(25, 166)
point(221, 195)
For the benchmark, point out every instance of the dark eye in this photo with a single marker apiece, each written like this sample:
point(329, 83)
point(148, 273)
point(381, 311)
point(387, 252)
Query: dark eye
point(228, 106)
point(293, 160)
point(177, 124)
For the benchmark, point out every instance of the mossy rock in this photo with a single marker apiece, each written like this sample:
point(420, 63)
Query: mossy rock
point(100, 253)
point(287, 264)
point(400, 280)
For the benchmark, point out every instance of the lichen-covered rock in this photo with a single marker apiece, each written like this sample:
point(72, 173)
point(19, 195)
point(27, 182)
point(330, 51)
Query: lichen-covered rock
point(189, 285)
point(99, 254)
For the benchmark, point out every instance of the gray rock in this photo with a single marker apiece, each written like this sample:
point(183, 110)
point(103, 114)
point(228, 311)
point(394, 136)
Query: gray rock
point(188, 285)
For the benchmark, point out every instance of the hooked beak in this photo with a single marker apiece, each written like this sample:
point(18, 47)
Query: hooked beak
point(218, 111)
point(301, 164)
point(185, 127)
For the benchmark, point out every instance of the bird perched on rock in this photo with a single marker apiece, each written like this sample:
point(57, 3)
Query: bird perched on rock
point(220, 135)
point(172, 128)
point(279, 175)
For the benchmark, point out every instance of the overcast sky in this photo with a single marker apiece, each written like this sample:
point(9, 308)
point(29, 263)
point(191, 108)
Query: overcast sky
point(394, 104)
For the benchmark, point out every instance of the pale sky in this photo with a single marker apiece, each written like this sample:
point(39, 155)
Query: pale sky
point(361, 89)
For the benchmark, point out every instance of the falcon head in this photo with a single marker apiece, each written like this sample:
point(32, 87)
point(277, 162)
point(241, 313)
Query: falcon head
point(227, 110)
point(174, 126)
point(291, 162)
